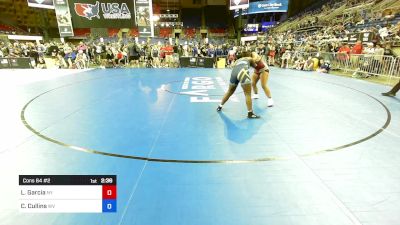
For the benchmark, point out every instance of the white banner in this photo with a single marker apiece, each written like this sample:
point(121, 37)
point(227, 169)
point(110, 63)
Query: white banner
point(47, 4)
point(239, 4)
point(63, 18)
point(144, 15)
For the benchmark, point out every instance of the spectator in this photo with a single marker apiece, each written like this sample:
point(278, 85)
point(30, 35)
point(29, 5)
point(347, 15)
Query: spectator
point(378, 59)
point(344, 52)
point(388, 50)
point(309, 64)
point(81, 60)
point(356, 50)
point(231, 56)
point(133, 54)
point(324, 66)
point(285, 59)
point(271, 55)
point(366, 65)
point(156, 56)
point(383, 32)
point(69, 56)
point(299, 63)
point(110, 57)
point(41, 63)
point(168, 51)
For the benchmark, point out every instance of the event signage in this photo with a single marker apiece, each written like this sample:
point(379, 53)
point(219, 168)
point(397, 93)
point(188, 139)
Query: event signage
point(267, 25)
point(63, 18)
point(173, 16)
point(251, 28)
point(353, 37)
point(47, 4)
point(265, 7)
point(170, 24)
point(363, 37)
point(238, 4)
point(366, 36)
point(144, 15)
point(102, 13)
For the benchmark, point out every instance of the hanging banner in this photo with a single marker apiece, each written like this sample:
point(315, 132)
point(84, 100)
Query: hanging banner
point(251, 28)
point(267, 25)
point(238, 4)
point(47, 4)
point(265, 7)
point(102, 13)
point(63, 18)
point(144, 13)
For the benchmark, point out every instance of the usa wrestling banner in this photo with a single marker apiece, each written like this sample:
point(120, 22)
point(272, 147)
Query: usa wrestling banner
point(63, 18)
point(102, 13)
point(144, 15)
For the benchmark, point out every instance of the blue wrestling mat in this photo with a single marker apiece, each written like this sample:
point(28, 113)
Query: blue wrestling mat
point(320, 156)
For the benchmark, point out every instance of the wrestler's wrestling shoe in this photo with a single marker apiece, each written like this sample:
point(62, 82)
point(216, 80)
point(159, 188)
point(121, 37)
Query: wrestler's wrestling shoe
point(251, 115)
point(270, 102)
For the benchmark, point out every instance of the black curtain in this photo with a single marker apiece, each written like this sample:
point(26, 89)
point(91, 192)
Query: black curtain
point(296, 6)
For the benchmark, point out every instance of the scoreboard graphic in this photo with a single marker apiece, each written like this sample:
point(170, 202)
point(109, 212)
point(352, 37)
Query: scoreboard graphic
point(68, 193)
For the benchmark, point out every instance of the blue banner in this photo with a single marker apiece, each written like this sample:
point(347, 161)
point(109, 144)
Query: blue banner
point(267, 25)
point(265, 7)
point(251, 28)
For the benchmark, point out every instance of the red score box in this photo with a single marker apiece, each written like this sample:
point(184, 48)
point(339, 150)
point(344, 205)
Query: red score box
point(109, 192)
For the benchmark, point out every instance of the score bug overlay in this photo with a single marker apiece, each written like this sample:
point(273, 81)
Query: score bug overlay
point(67, 193)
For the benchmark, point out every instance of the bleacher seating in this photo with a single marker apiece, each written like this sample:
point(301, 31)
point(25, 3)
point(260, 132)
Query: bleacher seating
point(190, 32)
point(165, 32)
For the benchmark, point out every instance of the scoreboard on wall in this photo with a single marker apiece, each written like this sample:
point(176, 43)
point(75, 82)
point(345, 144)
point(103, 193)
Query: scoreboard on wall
point(67, 193)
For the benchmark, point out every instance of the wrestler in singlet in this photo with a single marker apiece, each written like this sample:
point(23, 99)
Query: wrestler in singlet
point(261, 72)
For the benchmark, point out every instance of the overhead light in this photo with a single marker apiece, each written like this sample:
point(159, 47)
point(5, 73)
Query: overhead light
point(167, 10)
point(155, 18)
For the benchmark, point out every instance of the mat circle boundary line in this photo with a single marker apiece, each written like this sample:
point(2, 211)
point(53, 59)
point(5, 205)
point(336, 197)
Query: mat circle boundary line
point(161, 160)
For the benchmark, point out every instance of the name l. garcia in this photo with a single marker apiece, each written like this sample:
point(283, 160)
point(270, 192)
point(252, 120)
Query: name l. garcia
point(31, 192)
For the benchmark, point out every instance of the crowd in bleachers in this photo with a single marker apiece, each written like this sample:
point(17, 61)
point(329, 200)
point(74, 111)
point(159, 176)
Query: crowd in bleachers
point(111, 54)
point(284, 46)
point(301, 41)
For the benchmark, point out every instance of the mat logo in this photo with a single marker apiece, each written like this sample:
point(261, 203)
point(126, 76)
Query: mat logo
point(198, 88)
point(109, 10)
point(87, 10)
